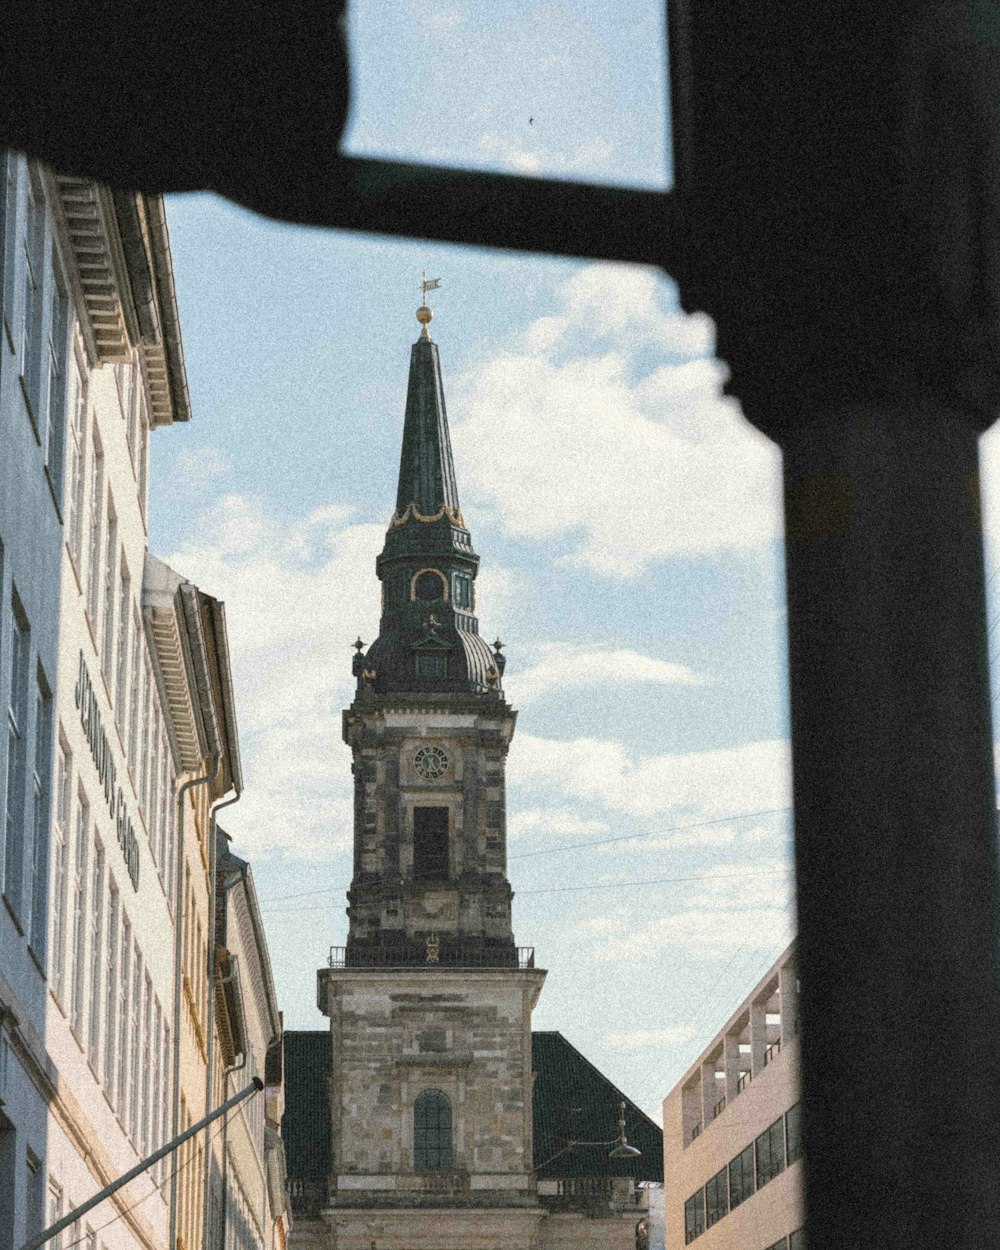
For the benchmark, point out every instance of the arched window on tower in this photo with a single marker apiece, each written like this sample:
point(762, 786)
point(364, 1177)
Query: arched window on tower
point(432, 1131)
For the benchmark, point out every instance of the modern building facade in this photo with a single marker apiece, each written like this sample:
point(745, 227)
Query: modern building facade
point(732, 1131)
point(430, 1002)
point(119, 733)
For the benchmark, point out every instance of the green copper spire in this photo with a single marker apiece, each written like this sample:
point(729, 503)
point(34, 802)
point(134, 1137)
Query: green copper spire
point(429, 635)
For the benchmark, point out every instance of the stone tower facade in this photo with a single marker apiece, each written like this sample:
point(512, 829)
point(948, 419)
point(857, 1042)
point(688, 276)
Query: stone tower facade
point(430, 1001)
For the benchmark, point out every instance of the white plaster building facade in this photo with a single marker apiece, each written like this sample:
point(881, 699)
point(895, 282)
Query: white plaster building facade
point(732, 1133)
point(119, 733)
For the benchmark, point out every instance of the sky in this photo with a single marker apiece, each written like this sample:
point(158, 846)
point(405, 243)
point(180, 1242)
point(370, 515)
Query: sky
point(627, 519)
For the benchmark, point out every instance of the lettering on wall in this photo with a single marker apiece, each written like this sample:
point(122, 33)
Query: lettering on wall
point(107, 773)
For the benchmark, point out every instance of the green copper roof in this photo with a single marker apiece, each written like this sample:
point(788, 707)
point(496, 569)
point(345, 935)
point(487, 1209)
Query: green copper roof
point(426, 470)
point(428, 638)
point(572, 1101)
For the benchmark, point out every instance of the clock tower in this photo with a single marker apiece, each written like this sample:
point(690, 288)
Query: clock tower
point(430, 1001)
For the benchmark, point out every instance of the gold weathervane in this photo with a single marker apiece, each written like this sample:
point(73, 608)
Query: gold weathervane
point(424, 314)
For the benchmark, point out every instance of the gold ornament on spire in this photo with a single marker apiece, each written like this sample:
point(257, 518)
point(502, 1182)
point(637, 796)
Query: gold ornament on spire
point(424, 314)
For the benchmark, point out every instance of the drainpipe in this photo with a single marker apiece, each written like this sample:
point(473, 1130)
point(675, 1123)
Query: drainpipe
point(208, 777)
point(209, 1075)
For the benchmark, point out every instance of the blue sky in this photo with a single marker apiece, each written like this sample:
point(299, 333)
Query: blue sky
point(627, 519)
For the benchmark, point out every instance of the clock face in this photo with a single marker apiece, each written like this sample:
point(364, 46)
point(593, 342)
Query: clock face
point(431, 762)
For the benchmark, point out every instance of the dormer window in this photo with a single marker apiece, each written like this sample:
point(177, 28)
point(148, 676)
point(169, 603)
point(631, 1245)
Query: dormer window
point(429, 585)
point(431, 664)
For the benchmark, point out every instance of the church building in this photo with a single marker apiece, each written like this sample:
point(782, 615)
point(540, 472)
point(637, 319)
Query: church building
point(430, 1140)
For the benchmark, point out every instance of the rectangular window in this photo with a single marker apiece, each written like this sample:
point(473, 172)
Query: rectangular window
point(741, 1184)
point(78, 467)
point(110, 577)
point(793, 1134)
point(716, 1198)
point(41, 781)
point(60, 840)
point(124, 986)
point(797, 1240)
point(96, 952)
point(165, 1095)
point(430, 844)
point(55, 405)
point(94, 533)
point(10, 165)
point(153, 813)
point(156, 1077)
point(432, 665)
point(145, 1139)
point(134, 696)
point(694, 1216)
point(17, 750)
point(770, 1149)
point(121, 647)
point(135, 1075)
point(111, 987)
point(78, 957)
point(31, 324)
point(54, 1213)
point(144, 711)
point(143, 459)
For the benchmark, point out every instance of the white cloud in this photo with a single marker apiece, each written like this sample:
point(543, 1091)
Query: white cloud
point(563, 667)
point(626, 464)
point(559, 820)
point(202, 466)
point(649, 1039)
point(735, 910)
point(296, 593)
point(526, 154)
point(753, 777)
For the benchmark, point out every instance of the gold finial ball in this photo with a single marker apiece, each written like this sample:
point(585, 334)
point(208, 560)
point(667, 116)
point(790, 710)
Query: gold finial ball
point(424, 315)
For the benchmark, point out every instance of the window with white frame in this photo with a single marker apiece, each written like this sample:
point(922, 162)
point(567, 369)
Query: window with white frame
point(121, 646)
point(31, 306)
point(60, 839)
point(153, 816)
point(135, 1049)
point(78, 958)
point(156, 1076)
point(94, 532)
point(77, 459)
point(55, 403)
point(147, 696)
point(165, 1095)
point(17, 750)
point(111, 986)
point(124, 986)
point(134, 696)
point(54, 1211)
point(41, 782)
point(10, 166)
point(143, 458)
point(96, 951)
point(110, 577)
point(145, 1140)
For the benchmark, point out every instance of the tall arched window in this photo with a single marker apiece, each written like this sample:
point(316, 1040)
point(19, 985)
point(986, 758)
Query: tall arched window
point(432, 1130)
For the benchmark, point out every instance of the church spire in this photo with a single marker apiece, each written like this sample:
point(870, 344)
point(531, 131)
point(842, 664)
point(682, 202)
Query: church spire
point(428, 635)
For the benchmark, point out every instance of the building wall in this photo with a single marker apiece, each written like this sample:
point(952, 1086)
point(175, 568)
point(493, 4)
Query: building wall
point(30, 554)
point(111, 982)
point(396, 1033)
point(738, 1096)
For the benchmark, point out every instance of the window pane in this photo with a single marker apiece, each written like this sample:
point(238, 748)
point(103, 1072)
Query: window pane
point(432, 1130)
point(770, 1146)
point(716, 1198)
point(694, 1216)
point(741, 1181)
point(793, 1133)
point(430, 843)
